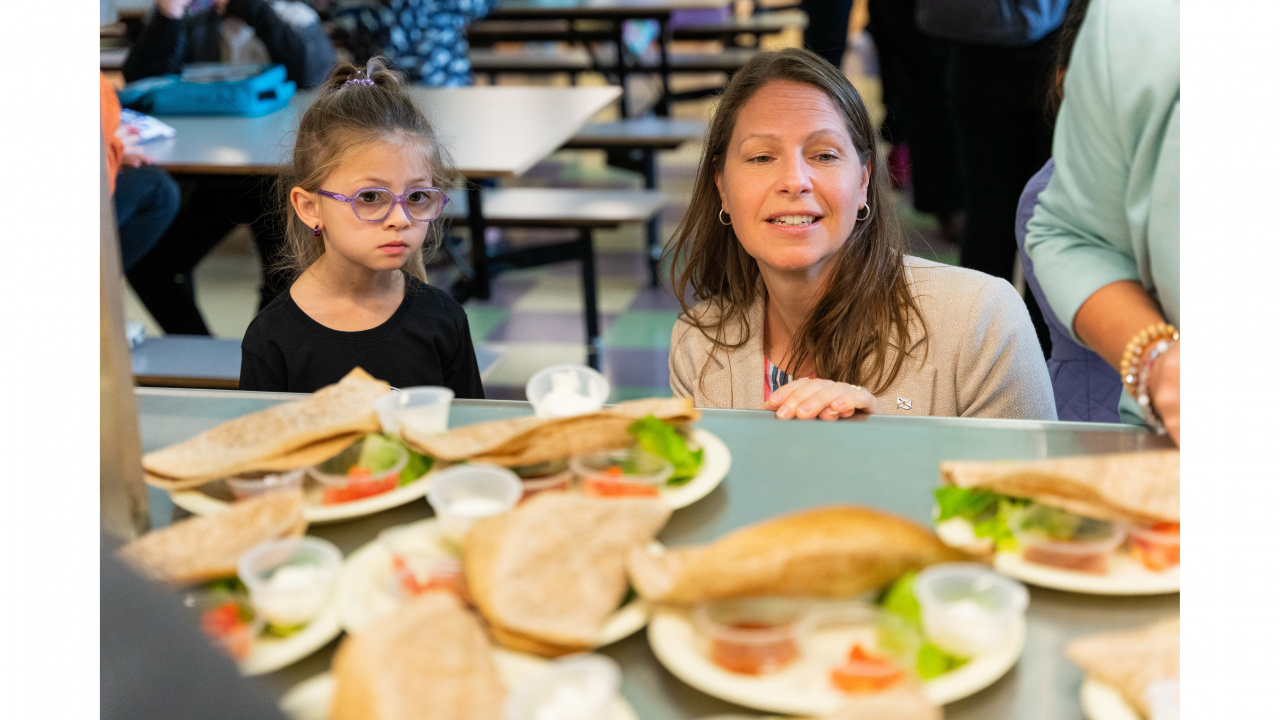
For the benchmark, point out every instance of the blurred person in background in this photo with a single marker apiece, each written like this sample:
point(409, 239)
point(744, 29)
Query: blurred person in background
point(424, 39)
point(828, 30)
point(230, 31)
point(1104, 237)
point(918, 123)
point(1085, 387)
point(999, 69)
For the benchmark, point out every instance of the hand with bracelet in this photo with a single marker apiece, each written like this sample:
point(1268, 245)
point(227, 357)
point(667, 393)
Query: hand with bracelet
point(1123, 324)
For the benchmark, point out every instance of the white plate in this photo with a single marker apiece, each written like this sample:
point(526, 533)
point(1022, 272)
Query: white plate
point(1103, 702)
point(198, 502)
point(270, 654)
point(311, 699)
point(802, 688)
point(366, 590)
point(715, 466)
point(1126, 576)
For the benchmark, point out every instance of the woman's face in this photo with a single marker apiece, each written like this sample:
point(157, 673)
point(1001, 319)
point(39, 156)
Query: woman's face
point(792, 182)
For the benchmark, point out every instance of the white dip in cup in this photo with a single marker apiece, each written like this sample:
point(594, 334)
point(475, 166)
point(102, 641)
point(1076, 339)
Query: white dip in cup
point(425, 409)
point(463, 494)
point(566, 390)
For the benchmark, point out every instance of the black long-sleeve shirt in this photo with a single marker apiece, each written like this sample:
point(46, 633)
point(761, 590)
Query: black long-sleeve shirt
point(426, 341)
point(166, 44)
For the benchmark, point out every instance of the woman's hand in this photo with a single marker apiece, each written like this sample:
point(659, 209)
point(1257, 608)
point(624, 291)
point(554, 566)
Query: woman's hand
point(1163, 389)
point(809, 398)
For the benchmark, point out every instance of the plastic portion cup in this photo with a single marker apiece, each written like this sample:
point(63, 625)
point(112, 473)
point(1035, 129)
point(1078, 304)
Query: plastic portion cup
point(864, 648)
point(543, 477)
point(967, 608)
point(339, 486)
point(290, 581)
point(566, 390)
point(575, 687)
point(425, 409)
point(751, 636)
point(463, 494)
point(629, 472)
point(253, 484)
point(1049, 536)
point(1157, 548)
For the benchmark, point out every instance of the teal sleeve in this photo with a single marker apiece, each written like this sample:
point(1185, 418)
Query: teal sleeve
point(1079, 237)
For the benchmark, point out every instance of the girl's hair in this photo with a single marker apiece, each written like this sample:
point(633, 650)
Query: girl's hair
point(864, 311)
point(344, 118)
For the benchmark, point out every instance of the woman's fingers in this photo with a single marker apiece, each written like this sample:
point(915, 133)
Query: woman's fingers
point(797, 404)
point(845, 400)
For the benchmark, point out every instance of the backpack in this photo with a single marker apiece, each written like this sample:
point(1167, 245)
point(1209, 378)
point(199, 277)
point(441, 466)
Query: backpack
point(212, 89)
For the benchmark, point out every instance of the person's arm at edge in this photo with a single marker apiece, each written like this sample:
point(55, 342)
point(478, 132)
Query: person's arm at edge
point(1073, 234)
point(306, 53)
point(158, 49)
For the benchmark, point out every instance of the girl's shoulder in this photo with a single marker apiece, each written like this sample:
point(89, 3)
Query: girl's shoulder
point(430, 299)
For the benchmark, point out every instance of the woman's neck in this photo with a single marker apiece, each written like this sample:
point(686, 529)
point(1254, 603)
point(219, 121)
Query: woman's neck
point(789, 299)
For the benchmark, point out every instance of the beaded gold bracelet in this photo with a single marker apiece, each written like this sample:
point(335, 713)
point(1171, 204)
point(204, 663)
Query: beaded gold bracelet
point(1134, 351)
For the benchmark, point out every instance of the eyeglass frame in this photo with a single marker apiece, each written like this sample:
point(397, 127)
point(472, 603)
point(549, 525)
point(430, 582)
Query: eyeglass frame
point(401, 200)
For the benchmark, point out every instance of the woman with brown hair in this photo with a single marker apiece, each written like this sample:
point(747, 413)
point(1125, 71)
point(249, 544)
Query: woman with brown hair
point(793, 249)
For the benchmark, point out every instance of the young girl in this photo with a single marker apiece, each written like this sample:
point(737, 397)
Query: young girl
point(366, 182)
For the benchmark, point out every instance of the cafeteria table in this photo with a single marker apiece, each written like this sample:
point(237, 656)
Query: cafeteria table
point(615, 12)
point(491, 132)
point(886, 462)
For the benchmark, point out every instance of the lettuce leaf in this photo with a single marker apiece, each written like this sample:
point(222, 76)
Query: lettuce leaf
point(900, 599)
point(659, 438)
point(987, 511)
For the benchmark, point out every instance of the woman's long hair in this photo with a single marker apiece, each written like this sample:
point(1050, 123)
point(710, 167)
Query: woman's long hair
point(864, 311)
point(344, 118)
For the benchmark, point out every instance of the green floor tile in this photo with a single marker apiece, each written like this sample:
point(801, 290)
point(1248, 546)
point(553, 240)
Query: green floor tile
point(483, 320)
point(649, 329)
point(620, 394)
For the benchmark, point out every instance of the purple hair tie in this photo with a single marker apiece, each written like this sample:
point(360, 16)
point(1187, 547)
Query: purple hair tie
point(358, 81)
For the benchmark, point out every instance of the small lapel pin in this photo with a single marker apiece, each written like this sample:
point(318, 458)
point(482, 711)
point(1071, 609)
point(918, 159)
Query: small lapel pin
point(904, 403)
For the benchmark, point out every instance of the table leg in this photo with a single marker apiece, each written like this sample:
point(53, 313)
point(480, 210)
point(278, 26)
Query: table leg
point(479, 253)
point(663, 109)
point(653, 241)
point(591, 309)
point(621, 56)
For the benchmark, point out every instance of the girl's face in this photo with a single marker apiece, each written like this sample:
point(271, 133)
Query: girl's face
point(376, 246)
point(792, 182)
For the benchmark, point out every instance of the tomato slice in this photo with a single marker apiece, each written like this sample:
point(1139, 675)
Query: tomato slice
point(866, 672)
point(598, 486)
point(358, 490)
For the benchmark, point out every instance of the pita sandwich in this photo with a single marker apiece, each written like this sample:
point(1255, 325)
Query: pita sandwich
point(200, 549)
point(1140, 487)
point(547, 575)
point(429, 659)
point(835, 552)
point(531, 440)
point(1130, 661)
point(282, 437)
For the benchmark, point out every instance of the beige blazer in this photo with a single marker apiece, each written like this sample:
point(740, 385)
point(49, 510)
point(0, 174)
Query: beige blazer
point(982, 359)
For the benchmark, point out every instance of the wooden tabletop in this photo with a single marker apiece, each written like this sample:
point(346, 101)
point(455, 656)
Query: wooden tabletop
point(499, 131)
point(508, 9)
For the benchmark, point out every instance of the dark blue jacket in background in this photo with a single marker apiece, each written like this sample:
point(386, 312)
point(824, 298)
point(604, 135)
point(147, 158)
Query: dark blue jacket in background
point(1085, 387)
point(1008, 23)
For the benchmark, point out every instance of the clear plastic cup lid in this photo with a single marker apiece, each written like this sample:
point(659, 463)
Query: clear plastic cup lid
point(566, 390)
point(424, 408)
point(474, 490)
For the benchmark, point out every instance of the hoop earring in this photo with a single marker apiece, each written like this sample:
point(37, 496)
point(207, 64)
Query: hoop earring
point(720, 217)
point(316, 231)
point(859, 214)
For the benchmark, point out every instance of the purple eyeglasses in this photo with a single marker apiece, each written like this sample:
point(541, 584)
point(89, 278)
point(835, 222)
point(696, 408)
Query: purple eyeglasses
point(374, 204)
